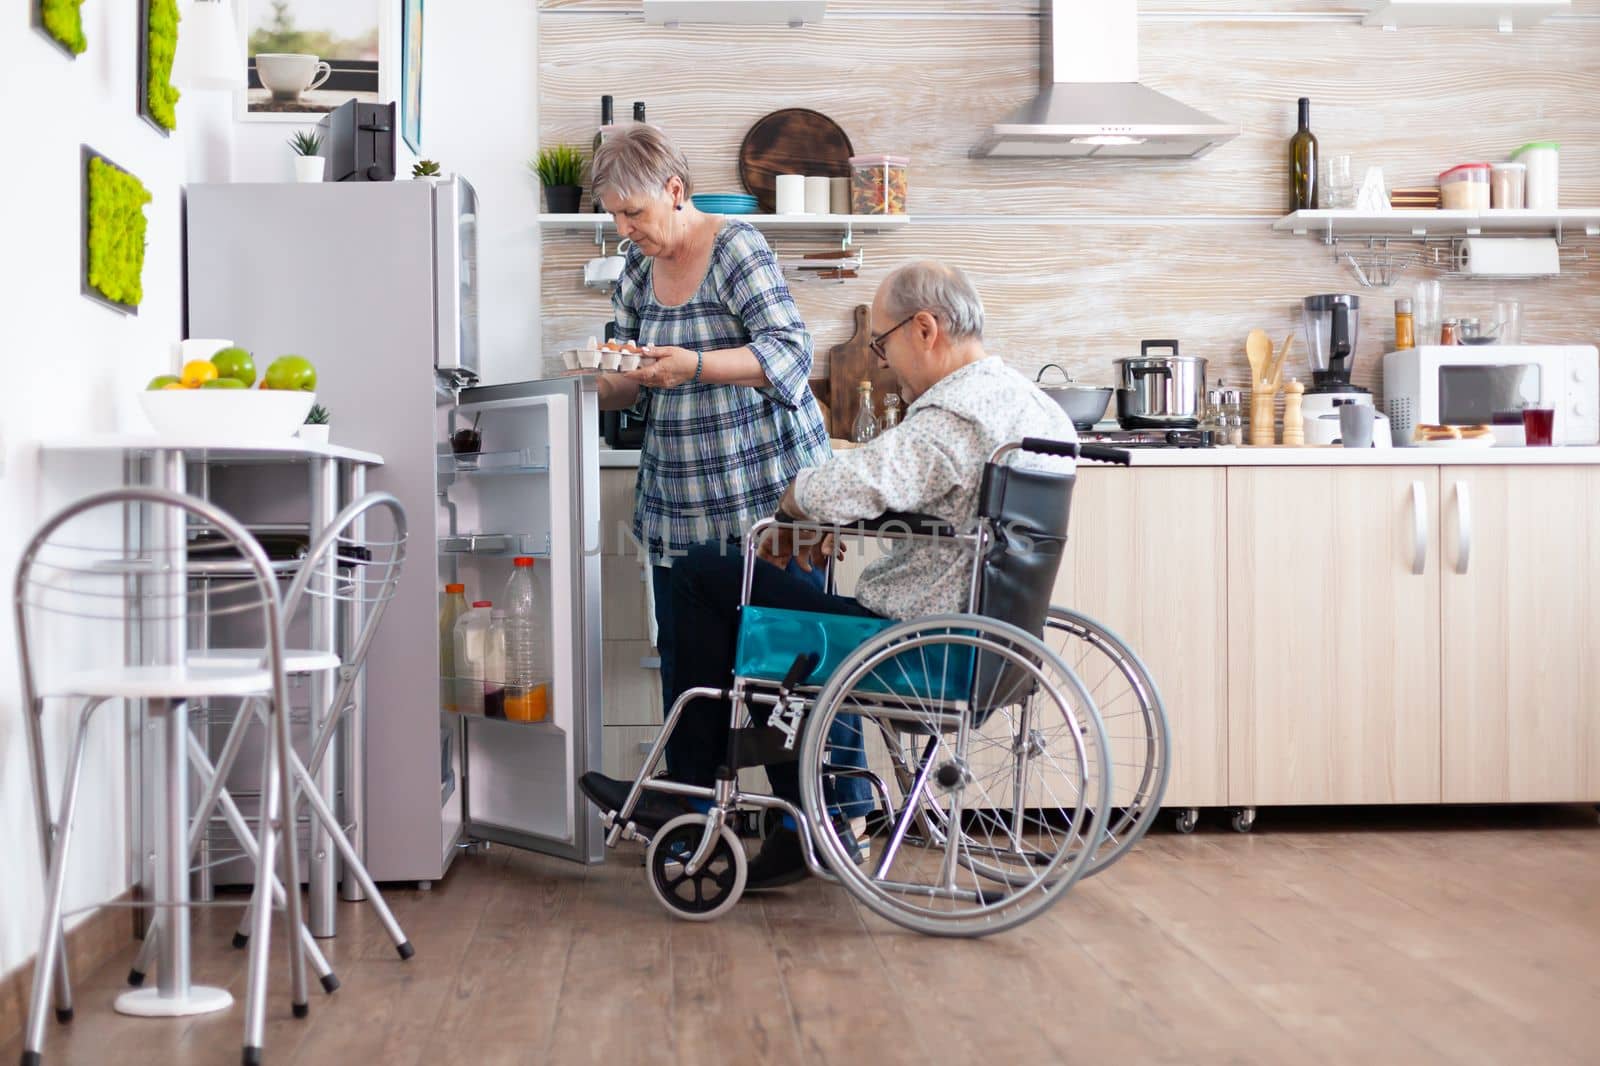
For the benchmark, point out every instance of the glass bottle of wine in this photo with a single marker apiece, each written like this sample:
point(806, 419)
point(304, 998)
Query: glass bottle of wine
point(1303, 192)
point(600, 134)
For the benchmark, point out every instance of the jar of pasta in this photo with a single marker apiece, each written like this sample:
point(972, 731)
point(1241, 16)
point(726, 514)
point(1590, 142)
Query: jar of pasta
point(878, 184)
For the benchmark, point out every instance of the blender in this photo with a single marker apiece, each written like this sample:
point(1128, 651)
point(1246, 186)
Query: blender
point(1332, 323)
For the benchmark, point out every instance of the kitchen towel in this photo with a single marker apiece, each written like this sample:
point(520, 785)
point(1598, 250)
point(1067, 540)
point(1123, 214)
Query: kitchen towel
point(1514, 256)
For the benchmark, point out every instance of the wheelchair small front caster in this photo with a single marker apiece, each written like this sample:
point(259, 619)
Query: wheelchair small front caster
point(1187, 819)
point(1244, 819)
point(711, 890)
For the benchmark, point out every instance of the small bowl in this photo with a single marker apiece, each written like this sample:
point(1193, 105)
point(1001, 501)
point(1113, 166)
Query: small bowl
point(589, 358)
point(629, 361)
point(226, 416)
point(569, 359)
point(610, 359)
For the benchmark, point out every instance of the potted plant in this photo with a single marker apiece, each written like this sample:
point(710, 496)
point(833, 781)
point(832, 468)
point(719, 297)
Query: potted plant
point(308, 165)
point(560, 170)
point(315, 431)
point(425, 170)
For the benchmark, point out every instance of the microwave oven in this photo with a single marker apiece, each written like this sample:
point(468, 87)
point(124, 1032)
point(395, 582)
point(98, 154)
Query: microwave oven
point(1489, 384)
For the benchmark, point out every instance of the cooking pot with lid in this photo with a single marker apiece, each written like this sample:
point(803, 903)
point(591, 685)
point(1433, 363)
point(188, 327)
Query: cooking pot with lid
point(1157, 391)
point(1084, 404)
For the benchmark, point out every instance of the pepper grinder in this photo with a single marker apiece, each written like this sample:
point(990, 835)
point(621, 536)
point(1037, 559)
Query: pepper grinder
point(1294, 429)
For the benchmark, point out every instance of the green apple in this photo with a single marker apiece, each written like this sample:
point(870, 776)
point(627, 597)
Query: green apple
point(292, 373)
point(162, 381)
point(224, 383)
point(235, 363)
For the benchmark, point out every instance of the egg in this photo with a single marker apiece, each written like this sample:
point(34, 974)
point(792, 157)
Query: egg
point(591, 345)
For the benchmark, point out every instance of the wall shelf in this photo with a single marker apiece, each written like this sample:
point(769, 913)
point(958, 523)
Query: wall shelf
point(843, 226)
point(1330, 225)
point(1502, 15)
point(794, 13)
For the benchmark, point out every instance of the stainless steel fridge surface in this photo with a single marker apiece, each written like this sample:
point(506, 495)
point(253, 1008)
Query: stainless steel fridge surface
point(375, 283)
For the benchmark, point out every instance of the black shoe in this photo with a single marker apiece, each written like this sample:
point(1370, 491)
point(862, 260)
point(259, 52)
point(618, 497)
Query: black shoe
point(779, 862)
point(653, 810)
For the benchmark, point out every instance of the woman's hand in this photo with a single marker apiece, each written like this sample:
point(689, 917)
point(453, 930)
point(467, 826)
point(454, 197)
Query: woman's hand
point(672, 367)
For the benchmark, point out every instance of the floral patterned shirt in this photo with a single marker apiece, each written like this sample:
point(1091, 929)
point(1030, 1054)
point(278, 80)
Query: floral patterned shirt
point(932, 463)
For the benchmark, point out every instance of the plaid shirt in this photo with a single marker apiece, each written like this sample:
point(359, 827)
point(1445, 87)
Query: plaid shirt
point(718, 457)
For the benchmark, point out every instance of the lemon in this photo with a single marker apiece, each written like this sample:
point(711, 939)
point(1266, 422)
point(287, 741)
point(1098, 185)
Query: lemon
point(197, 372)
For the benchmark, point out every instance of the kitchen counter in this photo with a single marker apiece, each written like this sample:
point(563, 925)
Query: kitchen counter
point(1454, 456)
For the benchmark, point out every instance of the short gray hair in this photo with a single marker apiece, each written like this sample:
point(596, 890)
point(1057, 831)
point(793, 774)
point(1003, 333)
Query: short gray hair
point(637, 160)
point(944, 290)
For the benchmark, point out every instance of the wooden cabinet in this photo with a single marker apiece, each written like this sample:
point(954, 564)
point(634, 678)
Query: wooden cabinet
point(1333, 649)
point(1521, 610)
point(1147, 558)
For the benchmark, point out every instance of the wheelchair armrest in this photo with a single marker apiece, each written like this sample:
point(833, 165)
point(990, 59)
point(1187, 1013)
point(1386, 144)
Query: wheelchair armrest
point(921, 525)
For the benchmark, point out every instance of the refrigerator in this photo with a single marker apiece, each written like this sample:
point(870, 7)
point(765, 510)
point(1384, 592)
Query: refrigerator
point(376, 283)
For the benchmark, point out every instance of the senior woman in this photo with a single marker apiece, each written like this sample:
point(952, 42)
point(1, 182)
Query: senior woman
point(730, 417)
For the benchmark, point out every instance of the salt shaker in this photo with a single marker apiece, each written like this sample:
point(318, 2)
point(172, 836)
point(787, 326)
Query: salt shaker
point(1232, 418)
point(1294, 430)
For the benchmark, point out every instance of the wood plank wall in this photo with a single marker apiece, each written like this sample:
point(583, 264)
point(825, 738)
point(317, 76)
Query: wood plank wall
point(1076, 262)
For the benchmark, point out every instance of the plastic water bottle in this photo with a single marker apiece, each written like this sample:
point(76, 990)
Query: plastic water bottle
point(527, 643)
point(472, 651)
point(494, 666)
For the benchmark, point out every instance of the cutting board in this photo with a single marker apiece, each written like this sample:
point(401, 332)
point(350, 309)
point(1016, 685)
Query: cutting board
point(792, 141)
point(848, 364)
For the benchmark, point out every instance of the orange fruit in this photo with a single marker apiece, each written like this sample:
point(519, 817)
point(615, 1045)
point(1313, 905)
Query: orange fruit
point(197, 372)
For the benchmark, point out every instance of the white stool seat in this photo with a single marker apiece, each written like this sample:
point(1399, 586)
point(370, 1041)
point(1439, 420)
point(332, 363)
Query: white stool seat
point(166, 682)
point(295, 660)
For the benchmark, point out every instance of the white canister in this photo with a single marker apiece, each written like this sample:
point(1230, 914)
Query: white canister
point(839, 196)
point(817, 196)
point(791, 194)
point(1543, 159)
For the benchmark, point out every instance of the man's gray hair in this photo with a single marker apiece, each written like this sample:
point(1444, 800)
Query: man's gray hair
point(944, 290)
point(637, 160)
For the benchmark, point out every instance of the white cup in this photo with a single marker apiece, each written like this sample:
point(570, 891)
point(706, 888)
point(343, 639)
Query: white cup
point(817, 196)
point(288, 74)
point(791, 194)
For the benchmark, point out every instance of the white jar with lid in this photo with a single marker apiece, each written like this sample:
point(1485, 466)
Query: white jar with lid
point(1508, 185)
point(1465, 188)
point(1542, 159)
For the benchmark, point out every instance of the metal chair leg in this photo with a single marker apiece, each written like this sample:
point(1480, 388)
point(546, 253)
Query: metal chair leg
point(51, 943)
point(291, 859)
point(41, 796)
point(255, 1003)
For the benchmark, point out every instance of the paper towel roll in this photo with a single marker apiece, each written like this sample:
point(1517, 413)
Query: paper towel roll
point(1514, 256)
point(791, 194)
point(816, 196)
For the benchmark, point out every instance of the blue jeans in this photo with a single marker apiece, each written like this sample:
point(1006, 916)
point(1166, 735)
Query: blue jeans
point(709, 578)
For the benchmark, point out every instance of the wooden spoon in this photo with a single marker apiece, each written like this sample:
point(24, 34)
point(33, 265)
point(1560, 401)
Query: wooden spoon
point(1258, 349)
point(1276, 377)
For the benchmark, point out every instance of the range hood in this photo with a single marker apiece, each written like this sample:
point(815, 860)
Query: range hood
point(1090, 104)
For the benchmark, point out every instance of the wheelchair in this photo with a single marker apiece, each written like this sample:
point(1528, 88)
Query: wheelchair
point(1007, 751)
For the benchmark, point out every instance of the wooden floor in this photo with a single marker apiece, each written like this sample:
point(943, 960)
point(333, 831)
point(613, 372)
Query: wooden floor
point(1351, 937)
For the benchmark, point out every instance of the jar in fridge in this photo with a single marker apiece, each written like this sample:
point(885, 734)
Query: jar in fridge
point(1507, 184)
point(1465, 188)
point(878, 184)
point(527, 643)
point(455, 605)
point(472, 652)
point(1543, 159)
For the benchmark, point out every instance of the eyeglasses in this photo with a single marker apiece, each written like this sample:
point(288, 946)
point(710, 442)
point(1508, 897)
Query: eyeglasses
point(876, 343)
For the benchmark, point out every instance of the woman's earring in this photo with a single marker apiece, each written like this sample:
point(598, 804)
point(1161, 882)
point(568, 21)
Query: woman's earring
point(677, 207)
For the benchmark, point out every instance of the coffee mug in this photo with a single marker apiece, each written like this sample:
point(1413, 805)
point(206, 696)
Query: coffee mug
point(603, 271)
point(1355, 424)
point(287, 74)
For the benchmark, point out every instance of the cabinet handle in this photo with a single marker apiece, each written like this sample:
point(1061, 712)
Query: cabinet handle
point(1419, 529)
point(1463, 528)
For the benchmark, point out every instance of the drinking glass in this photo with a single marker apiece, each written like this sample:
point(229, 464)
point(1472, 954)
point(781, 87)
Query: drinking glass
point(1508, 322)
point(1338, 183)
point(1538, 426)
point(1425, 311)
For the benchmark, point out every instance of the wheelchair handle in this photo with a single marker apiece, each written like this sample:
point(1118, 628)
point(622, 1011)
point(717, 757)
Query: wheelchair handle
point(1072, 450)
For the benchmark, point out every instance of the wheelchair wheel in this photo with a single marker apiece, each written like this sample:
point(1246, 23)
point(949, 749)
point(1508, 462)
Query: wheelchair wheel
point(1002, 736)
point(1135, 720)
point(710, 891)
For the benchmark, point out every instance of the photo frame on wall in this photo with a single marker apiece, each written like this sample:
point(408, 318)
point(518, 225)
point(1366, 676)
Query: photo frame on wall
point(158, 46)
point(113, 234)
point(411, 74)
point(304, 58)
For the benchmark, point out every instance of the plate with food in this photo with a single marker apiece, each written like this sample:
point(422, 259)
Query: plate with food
point(1432, 436)
point(613, 355)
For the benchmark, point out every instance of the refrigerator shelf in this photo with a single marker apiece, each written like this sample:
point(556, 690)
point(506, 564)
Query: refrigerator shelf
point(547, 726)
point(520, 461)
point(536, 545)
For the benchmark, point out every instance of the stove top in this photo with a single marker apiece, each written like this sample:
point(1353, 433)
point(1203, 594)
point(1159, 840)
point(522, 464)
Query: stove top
point(1152, 438)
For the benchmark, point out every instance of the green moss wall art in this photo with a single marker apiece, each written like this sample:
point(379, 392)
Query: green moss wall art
point(113, 233)
point(158, 45)
point(62, 22)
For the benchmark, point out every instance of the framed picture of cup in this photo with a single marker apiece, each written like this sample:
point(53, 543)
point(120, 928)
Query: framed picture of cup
point(303, 58)
point(411, 74)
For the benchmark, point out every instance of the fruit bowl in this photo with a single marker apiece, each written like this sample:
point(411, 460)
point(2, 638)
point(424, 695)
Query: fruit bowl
point(227, 416)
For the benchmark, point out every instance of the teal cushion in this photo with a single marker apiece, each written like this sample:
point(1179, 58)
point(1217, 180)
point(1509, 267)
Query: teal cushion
point(771, 637)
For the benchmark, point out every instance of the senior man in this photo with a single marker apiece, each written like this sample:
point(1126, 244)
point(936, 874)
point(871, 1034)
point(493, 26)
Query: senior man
point(962, 403)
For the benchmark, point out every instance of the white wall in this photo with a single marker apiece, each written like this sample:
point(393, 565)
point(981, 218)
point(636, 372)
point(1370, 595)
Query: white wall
point(71, 367)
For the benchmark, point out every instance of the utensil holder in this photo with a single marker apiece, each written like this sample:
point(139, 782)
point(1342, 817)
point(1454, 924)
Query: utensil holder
point(1261, 429)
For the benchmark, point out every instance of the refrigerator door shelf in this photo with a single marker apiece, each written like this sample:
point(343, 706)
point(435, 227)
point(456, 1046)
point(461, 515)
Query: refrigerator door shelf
point(519, 461)
point(534, 544)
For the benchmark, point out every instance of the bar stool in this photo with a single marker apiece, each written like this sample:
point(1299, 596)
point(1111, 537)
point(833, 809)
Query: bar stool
point(111, 572)
point(354, 565)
